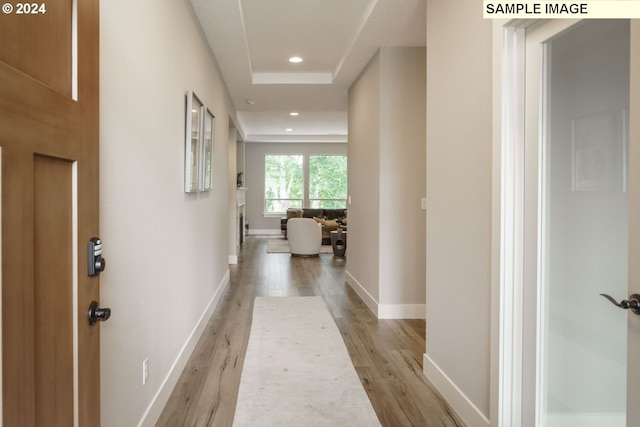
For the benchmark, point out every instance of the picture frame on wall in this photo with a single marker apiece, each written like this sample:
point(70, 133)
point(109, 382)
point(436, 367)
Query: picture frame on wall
point(193, 142)
point(208, 150)
point(598, 153)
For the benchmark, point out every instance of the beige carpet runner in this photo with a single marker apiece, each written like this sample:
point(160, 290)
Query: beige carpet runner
point(297, 371)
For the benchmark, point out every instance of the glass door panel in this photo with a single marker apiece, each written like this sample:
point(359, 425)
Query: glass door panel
point(584, 227)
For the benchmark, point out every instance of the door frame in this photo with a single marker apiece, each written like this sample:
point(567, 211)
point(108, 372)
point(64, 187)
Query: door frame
point(513, 388)
point(507, 313)
point(506, 336)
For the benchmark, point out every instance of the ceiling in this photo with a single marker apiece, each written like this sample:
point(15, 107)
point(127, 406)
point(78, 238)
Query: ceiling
point(252, 41)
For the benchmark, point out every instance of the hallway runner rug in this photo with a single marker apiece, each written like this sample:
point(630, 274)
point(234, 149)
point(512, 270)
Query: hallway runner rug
point(297, 371)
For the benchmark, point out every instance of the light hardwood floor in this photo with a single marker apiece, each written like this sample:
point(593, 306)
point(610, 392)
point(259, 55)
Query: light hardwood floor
point(387, 354)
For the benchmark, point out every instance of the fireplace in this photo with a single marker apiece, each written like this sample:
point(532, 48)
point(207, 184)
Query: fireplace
point(240, 216)
point(241, 229)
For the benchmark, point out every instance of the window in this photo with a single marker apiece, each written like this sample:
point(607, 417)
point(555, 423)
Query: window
point(296, 181)
point(283, 182)
point(327, 182)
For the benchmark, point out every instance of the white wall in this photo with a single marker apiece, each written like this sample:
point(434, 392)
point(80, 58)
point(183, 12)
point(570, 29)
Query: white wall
point(402, 170)
point(166, 251)
point(363, 241)
point(386, 183)
point(254, 177)
point(459, 165)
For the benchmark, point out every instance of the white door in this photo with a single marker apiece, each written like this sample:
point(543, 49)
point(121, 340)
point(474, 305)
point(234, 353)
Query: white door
point(581, 197)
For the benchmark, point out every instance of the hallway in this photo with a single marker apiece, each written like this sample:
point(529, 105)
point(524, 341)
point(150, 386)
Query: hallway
point(387, 354)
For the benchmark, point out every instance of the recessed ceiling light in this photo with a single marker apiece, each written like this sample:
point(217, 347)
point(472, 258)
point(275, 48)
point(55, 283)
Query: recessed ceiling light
point(250, 101)
point(289, 130)
point(295, 59)
point(294, 113)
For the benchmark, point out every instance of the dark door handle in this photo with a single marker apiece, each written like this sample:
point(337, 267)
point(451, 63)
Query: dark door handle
point(633, 303)
point(97, 314)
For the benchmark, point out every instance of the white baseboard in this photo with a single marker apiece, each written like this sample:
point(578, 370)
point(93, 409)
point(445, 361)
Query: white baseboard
point(362, 293)
point(460, 403)
point(402, 311)
point(153, 412)
point(268, 231)
point(386, 311)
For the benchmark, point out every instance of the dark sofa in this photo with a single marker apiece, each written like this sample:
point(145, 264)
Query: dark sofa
point(326, 214)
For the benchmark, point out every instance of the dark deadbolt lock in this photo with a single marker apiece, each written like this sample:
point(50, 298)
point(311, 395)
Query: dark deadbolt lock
point(96, 263)
point(97, 314)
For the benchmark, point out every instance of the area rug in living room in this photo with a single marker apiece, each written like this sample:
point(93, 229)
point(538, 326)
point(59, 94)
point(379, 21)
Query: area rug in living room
point(281, 246)
point(297, 371)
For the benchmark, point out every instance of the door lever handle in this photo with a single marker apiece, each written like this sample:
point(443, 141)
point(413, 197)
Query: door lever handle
point(633, 303)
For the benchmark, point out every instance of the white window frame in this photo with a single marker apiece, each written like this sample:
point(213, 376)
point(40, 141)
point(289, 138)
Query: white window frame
point(306, 201)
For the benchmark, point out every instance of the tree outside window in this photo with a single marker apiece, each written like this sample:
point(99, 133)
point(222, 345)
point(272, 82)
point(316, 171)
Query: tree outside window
point(283, 182)
point(285, 177)
point(327, 182)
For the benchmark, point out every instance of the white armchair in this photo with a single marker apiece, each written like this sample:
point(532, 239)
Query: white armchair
point(305, 236)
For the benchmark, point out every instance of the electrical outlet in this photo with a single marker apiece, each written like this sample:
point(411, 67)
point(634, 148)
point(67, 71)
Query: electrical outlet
point(145, 370)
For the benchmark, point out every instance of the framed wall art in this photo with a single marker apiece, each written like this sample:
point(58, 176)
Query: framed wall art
point(193, 143)
point(207, 157)
point(598, 151)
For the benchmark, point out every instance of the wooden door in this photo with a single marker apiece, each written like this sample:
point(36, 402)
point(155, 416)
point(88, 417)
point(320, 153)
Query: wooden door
point(49, 211)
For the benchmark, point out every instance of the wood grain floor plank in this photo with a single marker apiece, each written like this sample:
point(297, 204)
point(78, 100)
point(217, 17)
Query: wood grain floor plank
point(387, 354)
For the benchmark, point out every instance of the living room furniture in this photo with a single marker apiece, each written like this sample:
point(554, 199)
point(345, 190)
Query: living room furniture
point(330, 220)
point(305, 237)
point(339, 242)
